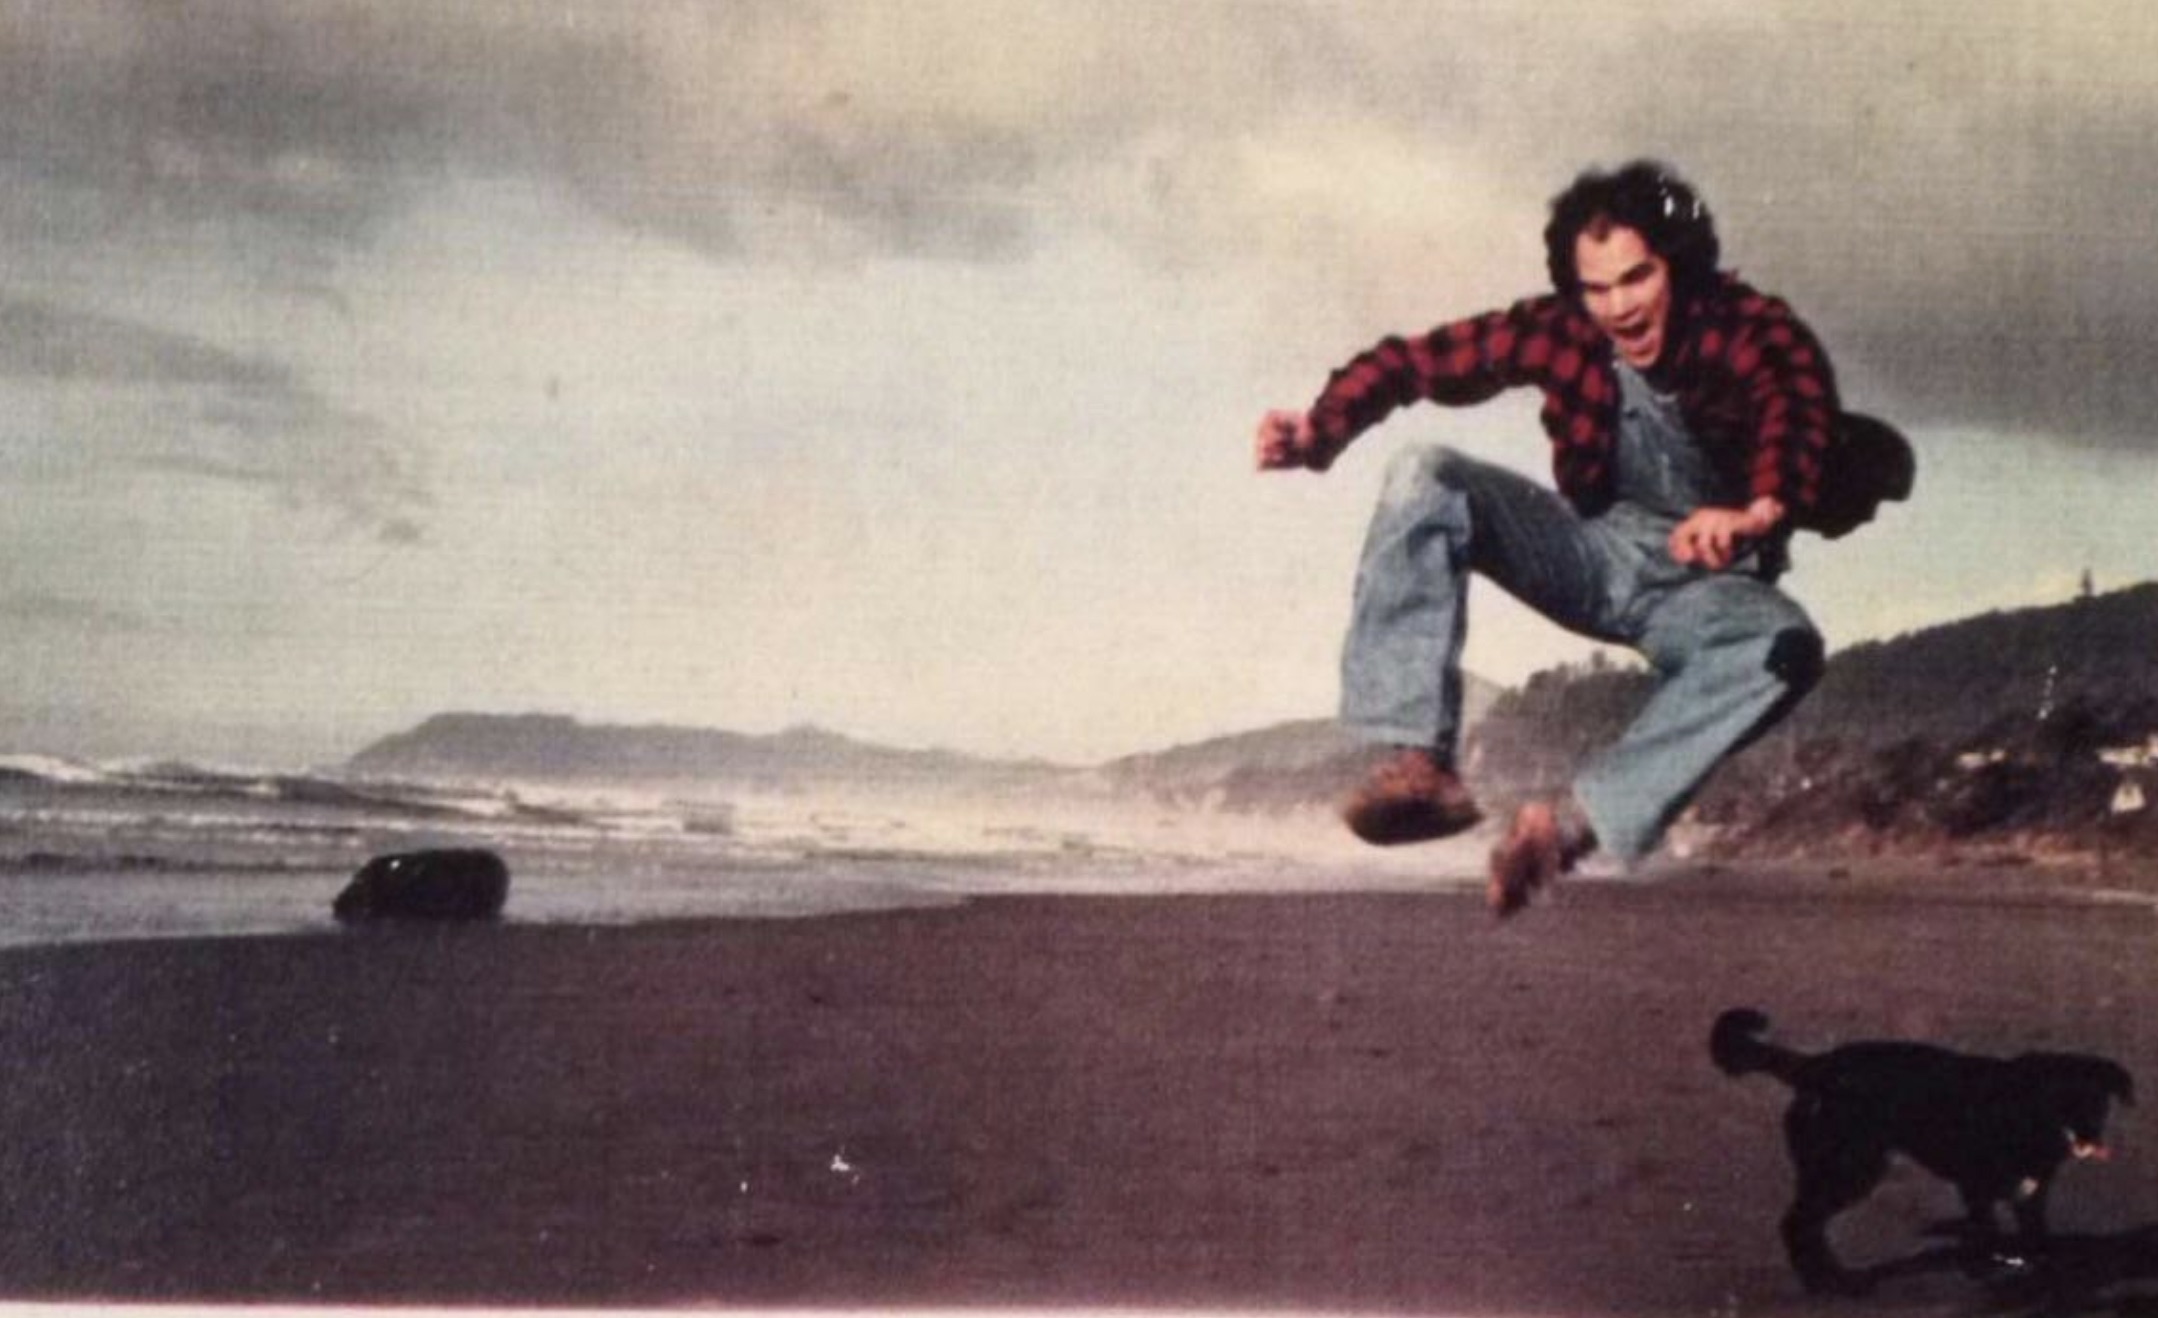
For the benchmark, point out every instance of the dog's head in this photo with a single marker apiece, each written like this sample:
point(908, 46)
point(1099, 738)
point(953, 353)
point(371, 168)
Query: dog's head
point(2078, 1090)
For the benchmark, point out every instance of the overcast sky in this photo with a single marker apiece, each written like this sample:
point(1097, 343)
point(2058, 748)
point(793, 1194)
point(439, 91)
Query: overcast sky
point(892, 367)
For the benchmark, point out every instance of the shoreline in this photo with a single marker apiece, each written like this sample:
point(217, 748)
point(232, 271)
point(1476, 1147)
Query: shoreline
point(1370, 1101)
point(1454, 871)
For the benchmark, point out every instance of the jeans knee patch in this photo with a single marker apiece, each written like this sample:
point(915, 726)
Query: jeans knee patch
point(1797, 658)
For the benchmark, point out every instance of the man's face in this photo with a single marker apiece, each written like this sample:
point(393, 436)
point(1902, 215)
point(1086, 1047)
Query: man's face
point(1626, 289)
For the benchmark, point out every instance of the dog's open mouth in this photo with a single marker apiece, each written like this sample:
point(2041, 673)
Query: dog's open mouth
point(2084, 1150)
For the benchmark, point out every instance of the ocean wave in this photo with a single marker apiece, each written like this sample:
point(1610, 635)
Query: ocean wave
point(131, 862)
point(50, 769)
point(165, 779)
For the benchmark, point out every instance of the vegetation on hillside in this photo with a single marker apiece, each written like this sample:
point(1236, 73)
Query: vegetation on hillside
point(2035, 730)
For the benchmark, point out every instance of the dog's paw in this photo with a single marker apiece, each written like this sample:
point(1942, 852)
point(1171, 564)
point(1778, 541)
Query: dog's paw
point(2007, 1263)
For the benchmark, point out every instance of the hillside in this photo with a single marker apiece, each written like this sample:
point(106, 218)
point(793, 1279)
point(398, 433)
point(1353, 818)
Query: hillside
point(2030, 728)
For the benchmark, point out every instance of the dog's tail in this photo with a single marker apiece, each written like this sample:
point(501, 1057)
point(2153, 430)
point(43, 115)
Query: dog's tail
point(1736, 1047)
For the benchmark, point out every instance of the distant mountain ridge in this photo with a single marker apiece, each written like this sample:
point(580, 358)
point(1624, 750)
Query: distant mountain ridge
point(1283, 765)
point(553, 746)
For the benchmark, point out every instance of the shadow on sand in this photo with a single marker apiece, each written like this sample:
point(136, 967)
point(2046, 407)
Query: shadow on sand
point(2073, 1274)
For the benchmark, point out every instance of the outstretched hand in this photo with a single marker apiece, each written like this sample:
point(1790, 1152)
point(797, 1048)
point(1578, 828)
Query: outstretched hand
point(1285, 440)
point(1712, 537)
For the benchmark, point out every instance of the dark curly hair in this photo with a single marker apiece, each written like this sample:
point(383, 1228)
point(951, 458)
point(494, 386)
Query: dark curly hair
point(1649, 198)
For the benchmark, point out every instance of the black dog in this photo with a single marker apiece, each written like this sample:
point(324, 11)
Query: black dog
point(1995, 1129)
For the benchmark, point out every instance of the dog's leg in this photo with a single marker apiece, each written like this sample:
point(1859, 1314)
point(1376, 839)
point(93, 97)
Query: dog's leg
point(2029, 1206)
point(1826, 1188)
point(1805, 1240)
point(1979, 1232)
point(1835, 1170)
point(1989, 1253)
point(1980, 1226)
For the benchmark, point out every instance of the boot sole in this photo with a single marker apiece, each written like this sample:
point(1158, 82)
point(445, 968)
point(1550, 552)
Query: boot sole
point(1401, 825)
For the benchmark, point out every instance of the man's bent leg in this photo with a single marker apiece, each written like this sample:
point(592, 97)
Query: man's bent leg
point(1736, 655)
point(1441, 515)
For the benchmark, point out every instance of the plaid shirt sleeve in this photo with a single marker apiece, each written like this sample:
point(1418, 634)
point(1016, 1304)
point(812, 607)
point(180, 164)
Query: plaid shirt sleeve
point(1787, 389)
point(1459, 363)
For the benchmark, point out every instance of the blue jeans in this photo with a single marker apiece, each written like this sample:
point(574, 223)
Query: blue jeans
point(1732, 653)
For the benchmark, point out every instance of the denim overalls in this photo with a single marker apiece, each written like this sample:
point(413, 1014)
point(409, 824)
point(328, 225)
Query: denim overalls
point(1732, 652)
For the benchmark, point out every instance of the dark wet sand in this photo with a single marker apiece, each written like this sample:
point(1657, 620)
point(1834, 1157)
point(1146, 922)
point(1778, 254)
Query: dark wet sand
point(1352, 1102)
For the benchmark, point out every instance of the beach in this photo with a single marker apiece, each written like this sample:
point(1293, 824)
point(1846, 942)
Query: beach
point(1363, 1101)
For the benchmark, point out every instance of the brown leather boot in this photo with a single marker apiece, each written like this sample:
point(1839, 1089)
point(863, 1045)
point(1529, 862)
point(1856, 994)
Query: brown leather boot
point(1409, 797)
point(1546, 841)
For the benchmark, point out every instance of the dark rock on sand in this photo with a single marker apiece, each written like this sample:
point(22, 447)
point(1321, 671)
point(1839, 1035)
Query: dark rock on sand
point(469, 884)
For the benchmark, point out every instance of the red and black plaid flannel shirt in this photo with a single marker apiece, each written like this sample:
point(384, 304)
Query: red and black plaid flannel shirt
point(1751, 380)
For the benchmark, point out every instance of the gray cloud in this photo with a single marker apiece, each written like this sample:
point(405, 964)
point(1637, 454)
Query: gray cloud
point(926, 135)
point(316, 118)
point(39, 609)
point(312, 453)
point(39, 340)
point(242, 419)
point(321, 119)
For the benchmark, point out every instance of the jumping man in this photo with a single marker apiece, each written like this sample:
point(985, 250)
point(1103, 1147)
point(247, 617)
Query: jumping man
point(1688, 416)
